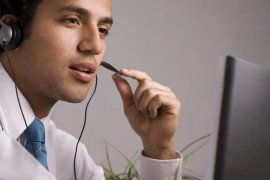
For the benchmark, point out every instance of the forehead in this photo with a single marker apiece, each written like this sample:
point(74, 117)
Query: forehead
point(94, 7)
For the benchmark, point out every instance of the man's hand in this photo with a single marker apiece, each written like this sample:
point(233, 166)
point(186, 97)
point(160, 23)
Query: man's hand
point(152, 111)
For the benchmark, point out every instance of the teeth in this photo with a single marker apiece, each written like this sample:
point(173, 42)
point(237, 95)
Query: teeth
point(82, 69)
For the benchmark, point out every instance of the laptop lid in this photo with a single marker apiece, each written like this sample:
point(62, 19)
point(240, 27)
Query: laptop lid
point(243, 148)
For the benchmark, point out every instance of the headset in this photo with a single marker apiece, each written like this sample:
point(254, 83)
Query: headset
point(11, 36)
point(10, 33)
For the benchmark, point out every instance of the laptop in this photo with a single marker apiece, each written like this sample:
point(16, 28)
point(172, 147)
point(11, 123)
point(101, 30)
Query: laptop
point(243, 144)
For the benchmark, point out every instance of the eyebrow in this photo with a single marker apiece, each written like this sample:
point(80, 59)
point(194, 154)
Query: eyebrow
point(84, 12)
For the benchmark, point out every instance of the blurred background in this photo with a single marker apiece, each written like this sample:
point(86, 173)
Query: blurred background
point(179, 44)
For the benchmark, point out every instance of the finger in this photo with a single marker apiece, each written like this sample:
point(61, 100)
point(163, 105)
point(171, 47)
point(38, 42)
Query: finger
point(147, 84)
point(166, 104)
point(148, 95)
point(125, 91)
point(137, 75)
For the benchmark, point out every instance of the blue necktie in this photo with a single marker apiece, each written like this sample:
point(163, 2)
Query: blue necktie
point(35, 141)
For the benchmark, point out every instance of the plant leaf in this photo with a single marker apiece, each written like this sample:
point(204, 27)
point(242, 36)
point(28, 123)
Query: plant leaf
point(125, 157)
point(191, 171)
point(108, 159)
point(196, 149)
point(187, 177)
point(195, 141)
point(134, 155)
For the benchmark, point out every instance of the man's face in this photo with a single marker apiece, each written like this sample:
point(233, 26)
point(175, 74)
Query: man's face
point(65, 33)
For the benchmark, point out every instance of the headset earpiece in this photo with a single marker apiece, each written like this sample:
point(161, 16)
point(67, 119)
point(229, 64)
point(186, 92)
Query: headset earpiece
point(10, 35)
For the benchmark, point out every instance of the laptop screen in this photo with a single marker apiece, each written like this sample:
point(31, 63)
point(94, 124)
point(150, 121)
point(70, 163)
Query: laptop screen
point(243, 148)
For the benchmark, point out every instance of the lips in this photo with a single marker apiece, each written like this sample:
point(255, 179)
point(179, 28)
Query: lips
point(83, 71)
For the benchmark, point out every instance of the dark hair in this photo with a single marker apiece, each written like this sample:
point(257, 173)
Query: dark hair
point(24, 10)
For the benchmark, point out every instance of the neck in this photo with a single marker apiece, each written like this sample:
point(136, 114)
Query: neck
point(40, 106)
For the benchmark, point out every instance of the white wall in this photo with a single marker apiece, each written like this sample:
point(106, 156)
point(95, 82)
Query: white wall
point(178, 42)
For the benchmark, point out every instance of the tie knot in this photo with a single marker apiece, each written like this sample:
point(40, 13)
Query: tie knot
point(35, 132)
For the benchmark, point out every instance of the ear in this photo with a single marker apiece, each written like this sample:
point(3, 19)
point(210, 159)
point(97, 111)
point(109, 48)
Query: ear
point(9, 18)
point(17, 49)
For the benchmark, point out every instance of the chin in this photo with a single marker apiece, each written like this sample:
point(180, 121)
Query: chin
point(73, 93)
point(74, 98)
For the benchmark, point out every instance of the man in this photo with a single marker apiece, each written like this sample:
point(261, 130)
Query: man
point(63, 46)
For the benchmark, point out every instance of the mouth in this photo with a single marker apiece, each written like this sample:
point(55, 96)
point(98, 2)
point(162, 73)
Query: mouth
point(83, 71)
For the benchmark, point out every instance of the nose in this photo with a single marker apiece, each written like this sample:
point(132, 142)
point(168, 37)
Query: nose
point(91, 43)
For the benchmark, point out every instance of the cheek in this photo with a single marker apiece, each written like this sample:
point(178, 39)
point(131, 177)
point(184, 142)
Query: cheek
point(57, 44)
point(47, 57)
point(51, 52)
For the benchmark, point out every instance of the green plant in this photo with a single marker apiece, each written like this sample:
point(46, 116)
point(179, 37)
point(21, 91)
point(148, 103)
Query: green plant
point(187, 153)
point(130, 172)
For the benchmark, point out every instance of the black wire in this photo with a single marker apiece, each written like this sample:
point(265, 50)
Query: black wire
point(1, 125)
point(16, 89)
point(85, 114)
point(84, 123)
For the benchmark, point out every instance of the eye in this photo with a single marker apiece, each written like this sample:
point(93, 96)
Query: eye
point(103, 31)
point(72, 21)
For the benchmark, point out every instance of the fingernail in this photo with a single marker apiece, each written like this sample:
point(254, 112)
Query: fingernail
point(124, 69)
point(117, 75)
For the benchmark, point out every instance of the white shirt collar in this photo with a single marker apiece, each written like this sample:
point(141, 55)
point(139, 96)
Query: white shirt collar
point(10, 113)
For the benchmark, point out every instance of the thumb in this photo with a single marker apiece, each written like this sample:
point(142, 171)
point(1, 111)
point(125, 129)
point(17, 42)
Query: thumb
point(125, 91)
